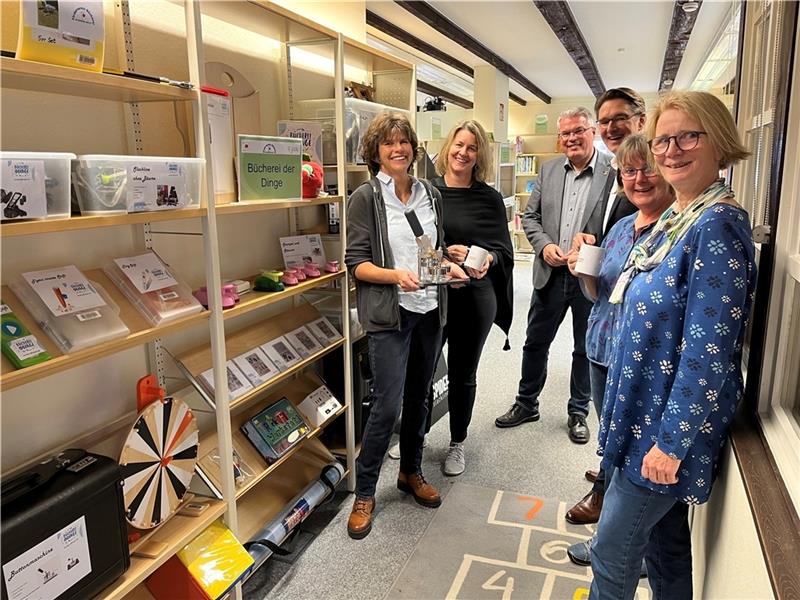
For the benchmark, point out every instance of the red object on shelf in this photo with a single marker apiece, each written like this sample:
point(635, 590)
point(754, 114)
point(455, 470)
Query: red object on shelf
point(172, 580)
point(213, 90)
point(147, 392)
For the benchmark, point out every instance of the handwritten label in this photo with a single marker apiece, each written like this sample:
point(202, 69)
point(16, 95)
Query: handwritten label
point(146, 272)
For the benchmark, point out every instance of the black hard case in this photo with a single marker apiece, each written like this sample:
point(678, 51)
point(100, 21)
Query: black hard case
point(95, 492)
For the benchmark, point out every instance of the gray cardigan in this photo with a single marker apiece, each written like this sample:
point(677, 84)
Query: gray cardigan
point(368, 241)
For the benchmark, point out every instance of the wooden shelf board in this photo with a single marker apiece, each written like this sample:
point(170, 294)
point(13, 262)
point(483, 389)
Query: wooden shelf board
point(258, 205)
point(293, 17)
point(295, 391)
point(175, 533)
point(141, 332)
point(528, 174)
point(351, 45)
point(198, 360)
point(272, 495)
point(42, 77)
point(14, 228)
point(254, 299)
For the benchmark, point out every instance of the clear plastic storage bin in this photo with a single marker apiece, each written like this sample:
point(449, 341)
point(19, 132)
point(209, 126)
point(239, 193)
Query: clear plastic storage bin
point(159, 305)
point(55, 167)
point(117, 184)
point(77, 330)
point(358, 114)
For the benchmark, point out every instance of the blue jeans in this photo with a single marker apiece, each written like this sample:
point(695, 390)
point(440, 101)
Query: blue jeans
point(597, 378)
point(549, 306)
point(402, 364)
point(638, 523)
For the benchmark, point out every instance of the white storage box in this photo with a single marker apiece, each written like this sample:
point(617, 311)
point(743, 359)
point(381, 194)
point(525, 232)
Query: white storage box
point(77, 314)
point(152, 287)
point(106, 183)
point(36, 185)
point(358, 114)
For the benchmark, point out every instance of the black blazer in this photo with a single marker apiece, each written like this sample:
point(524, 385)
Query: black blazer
point(621, 208)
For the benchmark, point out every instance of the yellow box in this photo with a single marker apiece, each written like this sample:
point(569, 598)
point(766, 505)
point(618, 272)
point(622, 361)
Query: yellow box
point(62, 32)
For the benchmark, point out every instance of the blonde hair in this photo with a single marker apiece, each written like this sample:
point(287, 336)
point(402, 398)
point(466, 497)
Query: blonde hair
point(632, 147)
point(483, 160)
point(635, 147)
point(382, 128)
point(713, 117)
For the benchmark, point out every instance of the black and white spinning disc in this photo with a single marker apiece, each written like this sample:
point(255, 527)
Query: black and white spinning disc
point(158, 461)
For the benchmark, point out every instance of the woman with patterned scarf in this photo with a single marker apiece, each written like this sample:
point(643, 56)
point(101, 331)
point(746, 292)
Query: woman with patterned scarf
point(675, 376)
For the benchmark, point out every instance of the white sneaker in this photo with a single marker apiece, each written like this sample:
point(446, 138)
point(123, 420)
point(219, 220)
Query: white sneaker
point(455, 462)
point(394, 451)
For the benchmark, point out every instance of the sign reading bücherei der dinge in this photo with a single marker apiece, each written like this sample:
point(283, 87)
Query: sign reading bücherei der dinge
point(269, 167)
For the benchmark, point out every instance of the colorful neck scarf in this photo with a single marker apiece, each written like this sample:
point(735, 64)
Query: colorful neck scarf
point(673, 225)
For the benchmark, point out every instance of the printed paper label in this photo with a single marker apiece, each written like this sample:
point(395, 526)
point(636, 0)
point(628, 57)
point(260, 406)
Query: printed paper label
point(51, 567)
point(65, 290)
point(25, 347)
point(167, 296)
point(299, 250)
point(146, 272)
point(156, 186)
point(23, 189)
point(89, 316)
point(66, 22)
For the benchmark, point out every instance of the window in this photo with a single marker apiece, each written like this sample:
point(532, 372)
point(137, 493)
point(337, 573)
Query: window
point(779, 393)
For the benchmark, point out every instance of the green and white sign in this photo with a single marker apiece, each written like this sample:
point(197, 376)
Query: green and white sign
point(269, 167)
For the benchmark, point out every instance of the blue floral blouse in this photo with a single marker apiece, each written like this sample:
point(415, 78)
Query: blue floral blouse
point(617, 244)
point(675, 378)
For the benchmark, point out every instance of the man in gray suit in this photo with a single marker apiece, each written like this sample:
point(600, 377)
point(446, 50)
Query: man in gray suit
point(569, 197)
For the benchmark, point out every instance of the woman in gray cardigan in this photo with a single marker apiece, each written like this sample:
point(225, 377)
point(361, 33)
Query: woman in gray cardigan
point(403, 322)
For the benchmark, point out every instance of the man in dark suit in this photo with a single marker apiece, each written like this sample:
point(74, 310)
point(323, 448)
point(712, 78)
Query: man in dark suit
point(569, 197)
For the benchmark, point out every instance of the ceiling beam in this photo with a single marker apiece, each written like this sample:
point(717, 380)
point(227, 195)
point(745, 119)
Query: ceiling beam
point(430, 16)
point(432, 90)
point(402, 35)
point(679, 32)
point(562, 22)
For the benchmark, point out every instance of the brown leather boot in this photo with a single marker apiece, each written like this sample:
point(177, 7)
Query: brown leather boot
point(424, 493)
point(360, 522)
point(587, 510)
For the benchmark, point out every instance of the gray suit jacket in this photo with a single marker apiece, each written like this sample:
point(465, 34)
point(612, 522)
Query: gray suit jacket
point(542, 218)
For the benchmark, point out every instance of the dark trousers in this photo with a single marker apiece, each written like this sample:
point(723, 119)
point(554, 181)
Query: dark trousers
point(597, 377)
point(548, 308)
point(402, 364)
point(470, 313)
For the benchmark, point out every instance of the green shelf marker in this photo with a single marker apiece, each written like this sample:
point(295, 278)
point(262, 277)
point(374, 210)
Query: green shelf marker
point(17, 343)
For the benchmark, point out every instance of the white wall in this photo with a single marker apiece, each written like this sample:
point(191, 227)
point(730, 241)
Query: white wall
point(727, 558)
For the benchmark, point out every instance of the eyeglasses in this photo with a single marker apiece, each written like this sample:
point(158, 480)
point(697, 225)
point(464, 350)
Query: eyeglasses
point(565, 135)
point(616, 120)
point(685, 140)
point(629, 173)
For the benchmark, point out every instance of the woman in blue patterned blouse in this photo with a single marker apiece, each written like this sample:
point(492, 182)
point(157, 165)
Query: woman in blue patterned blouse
point(675, 377)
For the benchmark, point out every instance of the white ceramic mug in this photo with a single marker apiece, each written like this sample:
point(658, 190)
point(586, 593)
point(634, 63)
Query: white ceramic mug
point(589, 259)
point(475, 257)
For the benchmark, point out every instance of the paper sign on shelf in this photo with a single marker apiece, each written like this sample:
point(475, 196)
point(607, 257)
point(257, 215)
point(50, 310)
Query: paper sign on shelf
point(269, 167)
point(52, 566)
point(299, 250)
point(24, 194)
point(146, 272)
point(65, 290)
point(157, 186)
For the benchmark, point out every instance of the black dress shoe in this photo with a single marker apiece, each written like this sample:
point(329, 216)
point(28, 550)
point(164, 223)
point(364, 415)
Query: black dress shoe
point(578, 429)
point(517, 415)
